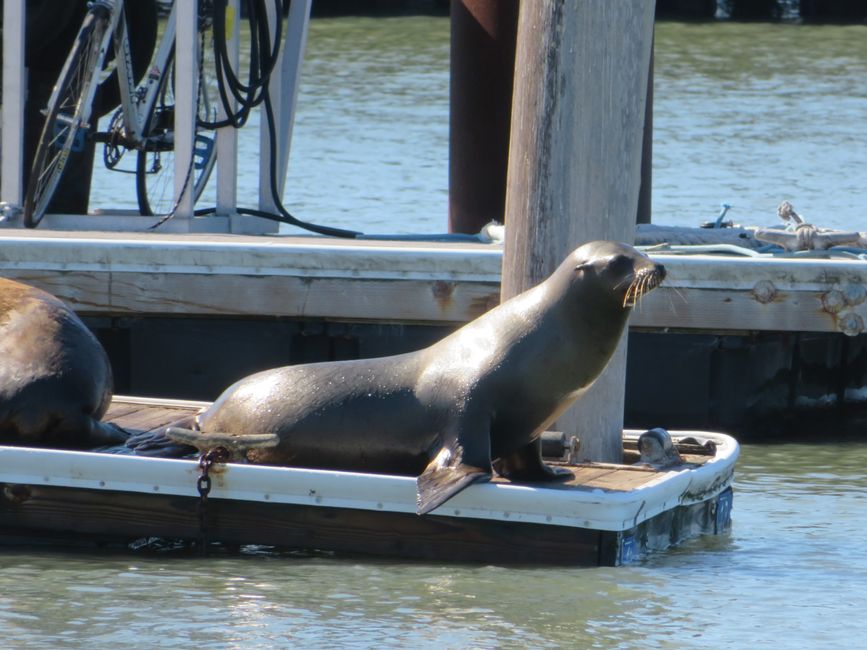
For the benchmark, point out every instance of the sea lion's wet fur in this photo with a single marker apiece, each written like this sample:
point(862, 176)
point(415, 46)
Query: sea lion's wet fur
point(449, 413)
point(55, 378)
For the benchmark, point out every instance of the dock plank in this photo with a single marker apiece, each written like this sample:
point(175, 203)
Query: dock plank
point(121, 409)
point(622, 480)
point(150, 419)
point(116, 274)
point(122, 518)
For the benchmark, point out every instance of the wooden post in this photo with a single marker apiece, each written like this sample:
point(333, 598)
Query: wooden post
point(575, 162)
point(482, 68)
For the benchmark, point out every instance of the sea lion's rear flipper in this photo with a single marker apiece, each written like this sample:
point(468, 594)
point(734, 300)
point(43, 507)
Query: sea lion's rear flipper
point(155, 443)
point(526, 466)
point(455, 467)
point(106, 433)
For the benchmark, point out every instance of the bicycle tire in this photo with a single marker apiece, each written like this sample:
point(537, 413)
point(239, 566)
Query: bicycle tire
point(69, 109)
point(155, 167)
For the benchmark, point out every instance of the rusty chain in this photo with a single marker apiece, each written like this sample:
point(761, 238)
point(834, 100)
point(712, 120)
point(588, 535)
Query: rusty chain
point(203, 484)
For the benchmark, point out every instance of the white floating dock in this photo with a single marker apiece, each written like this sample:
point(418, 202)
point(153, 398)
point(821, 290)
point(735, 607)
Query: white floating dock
point(607, 514)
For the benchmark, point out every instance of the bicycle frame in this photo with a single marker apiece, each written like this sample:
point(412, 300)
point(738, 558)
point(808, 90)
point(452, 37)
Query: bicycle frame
point(137, 101)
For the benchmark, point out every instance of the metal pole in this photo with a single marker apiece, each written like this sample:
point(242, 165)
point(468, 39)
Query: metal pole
point(227, 137)
point(284, 95)
point(186, 76)
point(14, 95)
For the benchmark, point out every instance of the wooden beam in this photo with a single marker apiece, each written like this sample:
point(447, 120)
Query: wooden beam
point(119, 516)
point(114, 274)
point(575, 162)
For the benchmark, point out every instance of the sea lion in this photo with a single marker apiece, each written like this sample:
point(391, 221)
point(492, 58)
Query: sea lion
point(55, 378)
point(477, 400)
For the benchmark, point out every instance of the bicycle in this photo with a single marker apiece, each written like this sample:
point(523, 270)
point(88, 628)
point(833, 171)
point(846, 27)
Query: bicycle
point(143, 123)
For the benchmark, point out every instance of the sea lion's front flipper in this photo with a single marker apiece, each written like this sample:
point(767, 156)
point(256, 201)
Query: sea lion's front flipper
point(456, 466)
point(526, 466)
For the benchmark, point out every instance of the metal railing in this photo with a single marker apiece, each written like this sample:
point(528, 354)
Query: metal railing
point(283, 88)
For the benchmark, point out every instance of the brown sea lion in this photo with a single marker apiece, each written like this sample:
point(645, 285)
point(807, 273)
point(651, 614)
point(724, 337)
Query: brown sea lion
point(55, 378)
point(476, 401)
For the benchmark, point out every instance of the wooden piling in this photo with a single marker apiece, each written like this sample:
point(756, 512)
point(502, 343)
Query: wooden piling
point(575, 161)
point(482, 67)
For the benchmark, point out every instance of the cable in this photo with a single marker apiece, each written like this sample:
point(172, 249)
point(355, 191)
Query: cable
point(251, 94)
point(263, 57)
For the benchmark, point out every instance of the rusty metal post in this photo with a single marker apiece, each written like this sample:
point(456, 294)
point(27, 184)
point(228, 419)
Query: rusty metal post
point(645, 192)
point(482, 69)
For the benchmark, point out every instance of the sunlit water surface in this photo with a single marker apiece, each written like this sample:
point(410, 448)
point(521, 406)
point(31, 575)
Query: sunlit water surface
point(748, 114)
point(791, 574)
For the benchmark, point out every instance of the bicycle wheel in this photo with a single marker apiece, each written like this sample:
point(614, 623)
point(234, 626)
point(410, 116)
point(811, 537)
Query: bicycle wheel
point(67, 115)
point(155, 166)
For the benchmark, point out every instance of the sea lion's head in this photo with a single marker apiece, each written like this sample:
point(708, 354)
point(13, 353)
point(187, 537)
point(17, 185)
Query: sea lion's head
point(623, 272)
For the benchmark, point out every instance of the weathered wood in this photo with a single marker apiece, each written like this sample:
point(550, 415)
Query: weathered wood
point(68, 518)
point(109, 274)
point(575, 161)
point(256, 276)
point(119, 516)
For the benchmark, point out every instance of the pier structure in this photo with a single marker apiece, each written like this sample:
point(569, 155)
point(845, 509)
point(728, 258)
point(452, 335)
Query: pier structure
point(186, 310)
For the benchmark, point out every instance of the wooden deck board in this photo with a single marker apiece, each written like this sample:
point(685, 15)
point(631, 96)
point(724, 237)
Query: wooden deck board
point(121, 409)
point(621, 480)
point(135, 416)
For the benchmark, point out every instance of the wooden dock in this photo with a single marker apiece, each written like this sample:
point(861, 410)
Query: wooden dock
point(212, 275)
point(607, 514)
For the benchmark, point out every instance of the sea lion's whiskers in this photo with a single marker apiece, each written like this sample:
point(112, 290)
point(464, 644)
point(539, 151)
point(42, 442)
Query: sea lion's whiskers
point(627, 299)
point(633, 292)
point(627, 280)
point(678, 293)
point(640, 285)
point(647, 285)
point(643, 281)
